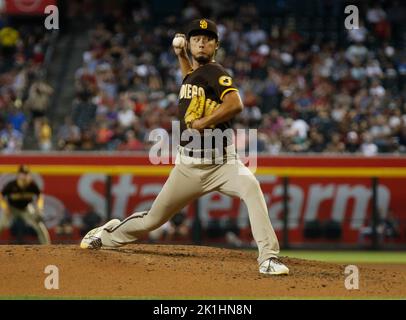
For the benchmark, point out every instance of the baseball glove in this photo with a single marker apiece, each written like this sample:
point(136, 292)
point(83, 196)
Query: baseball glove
point(195, 110)
point(210, 106)
point(199, 107)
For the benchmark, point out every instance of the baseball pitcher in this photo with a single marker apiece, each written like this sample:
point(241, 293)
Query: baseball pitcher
point(208, 100)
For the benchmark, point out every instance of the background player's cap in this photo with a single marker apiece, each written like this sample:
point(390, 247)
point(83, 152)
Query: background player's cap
point(23, 169)
point(202, 26)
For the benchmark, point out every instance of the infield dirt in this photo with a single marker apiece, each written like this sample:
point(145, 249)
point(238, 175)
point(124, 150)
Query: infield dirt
point(173, 271)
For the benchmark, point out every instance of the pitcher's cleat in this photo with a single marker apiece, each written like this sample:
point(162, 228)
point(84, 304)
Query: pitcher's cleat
point(92, 240)
point(273, 266)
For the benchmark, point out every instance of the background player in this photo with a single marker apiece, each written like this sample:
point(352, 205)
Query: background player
point(22, 198)
point(207, 99)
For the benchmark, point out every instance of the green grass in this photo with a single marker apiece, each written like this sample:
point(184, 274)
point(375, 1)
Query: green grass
point(349, 256)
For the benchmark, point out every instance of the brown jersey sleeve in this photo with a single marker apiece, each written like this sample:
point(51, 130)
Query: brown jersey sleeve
point(221, 81)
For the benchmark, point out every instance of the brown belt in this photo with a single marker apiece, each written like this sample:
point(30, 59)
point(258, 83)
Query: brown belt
point(202, 153)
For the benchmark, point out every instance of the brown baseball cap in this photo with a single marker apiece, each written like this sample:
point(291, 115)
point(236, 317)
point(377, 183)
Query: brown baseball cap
point(23, 169)
point(202, 26)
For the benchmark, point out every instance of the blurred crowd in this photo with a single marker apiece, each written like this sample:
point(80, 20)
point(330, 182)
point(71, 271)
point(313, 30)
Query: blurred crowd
point(303, 91)
point(24, 95)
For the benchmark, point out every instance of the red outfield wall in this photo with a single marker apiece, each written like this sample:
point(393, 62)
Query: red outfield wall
point(75, 181)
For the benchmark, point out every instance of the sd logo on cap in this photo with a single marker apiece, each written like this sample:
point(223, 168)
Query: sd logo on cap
point(202, 26)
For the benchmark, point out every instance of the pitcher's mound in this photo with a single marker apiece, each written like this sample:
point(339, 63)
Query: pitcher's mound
point(169, 271)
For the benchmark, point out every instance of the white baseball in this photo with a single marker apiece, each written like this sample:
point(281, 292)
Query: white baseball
point(178, 42)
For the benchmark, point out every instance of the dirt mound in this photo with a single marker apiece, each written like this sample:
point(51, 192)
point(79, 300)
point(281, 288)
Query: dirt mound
point(167, 271)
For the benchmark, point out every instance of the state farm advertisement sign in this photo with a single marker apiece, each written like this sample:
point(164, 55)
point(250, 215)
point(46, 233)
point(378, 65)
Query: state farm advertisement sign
point(345, 200)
